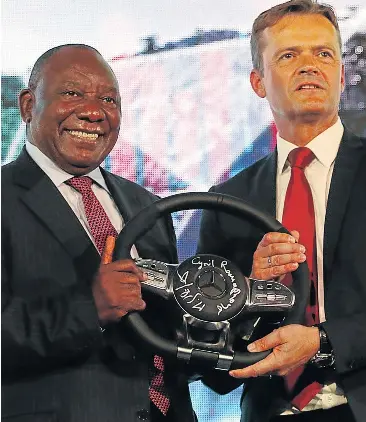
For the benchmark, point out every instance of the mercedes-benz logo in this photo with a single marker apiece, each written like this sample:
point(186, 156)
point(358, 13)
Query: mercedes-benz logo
point(211, 283)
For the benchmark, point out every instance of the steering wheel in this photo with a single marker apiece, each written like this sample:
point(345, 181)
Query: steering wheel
point(210, 290)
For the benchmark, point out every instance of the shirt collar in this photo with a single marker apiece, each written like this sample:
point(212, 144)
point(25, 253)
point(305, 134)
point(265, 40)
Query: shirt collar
point(324, 146)
point(55, 173)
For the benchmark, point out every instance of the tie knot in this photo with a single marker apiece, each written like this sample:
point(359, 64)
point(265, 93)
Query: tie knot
point(301, 157)
point(82, 184)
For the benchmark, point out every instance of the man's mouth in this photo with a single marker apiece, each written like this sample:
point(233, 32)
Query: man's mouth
point(84, 135)
point(308, 86)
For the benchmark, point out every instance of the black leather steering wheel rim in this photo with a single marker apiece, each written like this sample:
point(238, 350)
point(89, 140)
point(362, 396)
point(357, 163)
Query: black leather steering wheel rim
point(146, 219)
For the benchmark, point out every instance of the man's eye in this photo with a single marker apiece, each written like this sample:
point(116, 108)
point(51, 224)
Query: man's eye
point(71, 94)
point(325, 54)
point(286, 56)
point(109, 100)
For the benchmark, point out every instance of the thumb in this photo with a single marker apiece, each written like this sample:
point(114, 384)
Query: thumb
point(107, 254)
point(295, 234)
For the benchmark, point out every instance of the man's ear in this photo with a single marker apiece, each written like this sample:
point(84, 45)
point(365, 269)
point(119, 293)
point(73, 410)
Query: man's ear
point(26, 103)
point(343, 78)
point(257, 84)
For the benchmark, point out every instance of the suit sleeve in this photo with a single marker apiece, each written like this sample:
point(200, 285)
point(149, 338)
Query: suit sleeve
point(45, 331)
point(348, 338)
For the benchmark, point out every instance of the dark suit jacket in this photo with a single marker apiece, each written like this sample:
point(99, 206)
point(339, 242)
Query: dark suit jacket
point(56, 363)
point(344, 264)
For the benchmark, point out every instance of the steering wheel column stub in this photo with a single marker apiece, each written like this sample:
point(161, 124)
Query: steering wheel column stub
point(205, 357)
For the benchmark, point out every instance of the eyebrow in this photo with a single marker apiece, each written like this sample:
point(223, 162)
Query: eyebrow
point(109, 88)
point(299, 48)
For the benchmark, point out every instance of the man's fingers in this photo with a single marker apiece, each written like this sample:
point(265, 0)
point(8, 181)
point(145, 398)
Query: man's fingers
point(263, 367)
point(295, 234)
point(276, 237)
point(267, 342)
point(273, 272)
point(277, 260)
point(278, 249)
point(107, 254)
point(128, 265)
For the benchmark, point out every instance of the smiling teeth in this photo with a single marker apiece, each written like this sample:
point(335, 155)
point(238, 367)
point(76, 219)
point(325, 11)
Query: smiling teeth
point(308, 87)
point(84, 135)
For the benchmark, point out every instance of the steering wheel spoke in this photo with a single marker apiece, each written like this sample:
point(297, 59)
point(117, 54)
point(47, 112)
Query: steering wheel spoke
point(269, 296)
point(159, 276)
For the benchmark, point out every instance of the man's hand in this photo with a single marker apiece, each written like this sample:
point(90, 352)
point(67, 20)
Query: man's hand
point(116, 286)
point(292, 345)
point(277, 254)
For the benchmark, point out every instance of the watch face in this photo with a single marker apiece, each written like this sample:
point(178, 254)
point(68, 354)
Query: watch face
point(325, 346)
point(322, 360)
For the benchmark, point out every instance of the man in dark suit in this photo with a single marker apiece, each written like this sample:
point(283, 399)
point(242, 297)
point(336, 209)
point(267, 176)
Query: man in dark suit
point(316, 371)
point(66, 353)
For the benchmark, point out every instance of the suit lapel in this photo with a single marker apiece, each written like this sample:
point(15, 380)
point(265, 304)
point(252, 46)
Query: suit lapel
point(345, 167)
point(263, 190)
point(45, 201)
point(126, 197)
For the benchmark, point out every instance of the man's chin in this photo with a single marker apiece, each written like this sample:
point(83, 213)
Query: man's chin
point(312, 111)
point(79, 167)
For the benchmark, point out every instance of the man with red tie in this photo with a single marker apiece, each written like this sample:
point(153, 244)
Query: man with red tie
point(67, 354)
point(315, 184)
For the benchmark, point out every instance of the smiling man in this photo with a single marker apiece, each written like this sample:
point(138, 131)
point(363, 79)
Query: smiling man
point(66, 351)
point(314, 183)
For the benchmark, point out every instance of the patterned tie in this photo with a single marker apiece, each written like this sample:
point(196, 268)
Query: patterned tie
point(101, 227)
point(157, 390)
point(298, 214)
point(99, 223)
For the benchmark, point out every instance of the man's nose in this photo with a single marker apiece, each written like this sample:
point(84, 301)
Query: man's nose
point(308, 65)
point(308, 69)
point(90, 110)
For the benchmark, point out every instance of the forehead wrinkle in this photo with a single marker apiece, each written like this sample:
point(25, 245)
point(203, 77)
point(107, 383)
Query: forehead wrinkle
point(88, 79)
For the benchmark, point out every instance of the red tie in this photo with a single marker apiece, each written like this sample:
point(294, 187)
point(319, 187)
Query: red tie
point(157, 390)
point(298, 214)
point(101, 227)
point(99, 223)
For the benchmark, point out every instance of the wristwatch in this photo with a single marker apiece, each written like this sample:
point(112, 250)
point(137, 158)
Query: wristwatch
point(324, 357)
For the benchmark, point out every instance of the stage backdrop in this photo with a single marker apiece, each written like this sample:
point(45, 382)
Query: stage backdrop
point(189, 116)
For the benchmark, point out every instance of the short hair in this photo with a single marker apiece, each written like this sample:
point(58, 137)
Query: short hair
point(271, 16)
point(42, 60)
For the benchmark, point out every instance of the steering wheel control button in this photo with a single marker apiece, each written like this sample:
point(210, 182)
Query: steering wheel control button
point(210, 288)
point(270, 296)
point(156, 271)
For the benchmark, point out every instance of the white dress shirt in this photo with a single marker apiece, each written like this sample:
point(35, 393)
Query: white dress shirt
point(319, 175)
point(73, 197)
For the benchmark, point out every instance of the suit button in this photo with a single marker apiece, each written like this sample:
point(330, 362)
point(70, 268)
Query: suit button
point(143, 415)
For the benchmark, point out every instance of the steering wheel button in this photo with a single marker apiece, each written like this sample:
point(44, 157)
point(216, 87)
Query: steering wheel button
point(269, 286)
point(260, 287)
